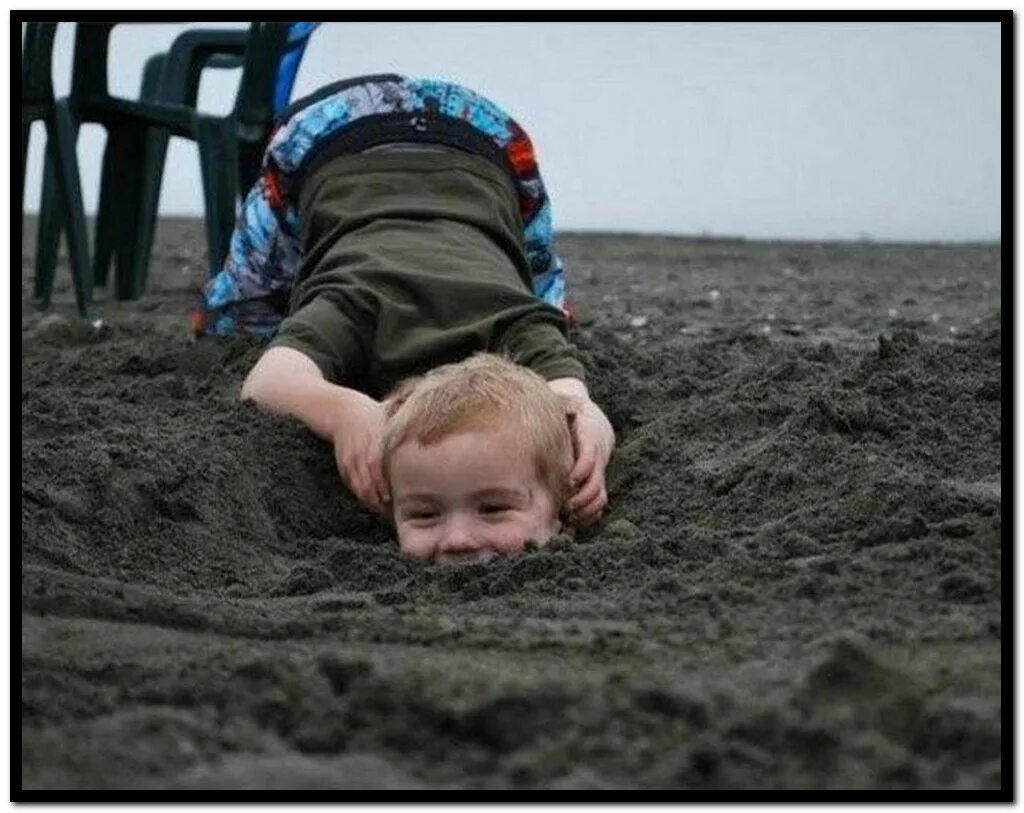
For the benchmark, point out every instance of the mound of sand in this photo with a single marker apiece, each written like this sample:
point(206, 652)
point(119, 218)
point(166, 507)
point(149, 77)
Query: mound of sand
point(797, 586)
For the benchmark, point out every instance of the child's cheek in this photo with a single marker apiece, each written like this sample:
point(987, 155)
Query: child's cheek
point(511, 541)
point(537, 529)
point(415, 543)
point(510, 545)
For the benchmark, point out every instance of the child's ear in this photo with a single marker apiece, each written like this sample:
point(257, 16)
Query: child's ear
point(571, 405)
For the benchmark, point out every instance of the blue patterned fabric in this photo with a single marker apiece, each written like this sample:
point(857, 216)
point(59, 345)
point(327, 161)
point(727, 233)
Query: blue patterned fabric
point(298, 39)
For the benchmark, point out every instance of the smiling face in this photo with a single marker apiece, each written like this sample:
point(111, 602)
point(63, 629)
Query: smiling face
point(470, 496)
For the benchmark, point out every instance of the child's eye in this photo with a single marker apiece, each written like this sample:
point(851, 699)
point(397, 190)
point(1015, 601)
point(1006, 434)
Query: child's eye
point(492, 509)
point(421, 515)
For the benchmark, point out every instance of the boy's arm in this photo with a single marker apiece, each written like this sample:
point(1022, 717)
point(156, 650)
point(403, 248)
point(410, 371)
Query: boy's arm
point(594, 440)
point(286, 381)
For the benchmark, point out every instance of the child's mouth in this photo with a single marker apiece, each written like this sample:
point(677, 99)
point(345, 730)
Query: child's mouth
point(469, 558)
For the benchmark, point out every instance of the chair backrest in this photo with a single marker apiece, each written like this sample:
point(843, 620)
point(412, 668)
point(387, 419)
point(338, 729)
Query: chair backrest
point(89, 77)
point(255, 101)
point(272, 56)
point(37, 63)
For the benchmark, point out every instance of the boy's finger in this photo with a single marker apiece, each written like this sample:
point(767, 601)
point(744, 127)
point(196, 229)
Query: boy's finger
point(596, 504)
point(596, 495)
point(590, 491)
point(364, 485)
point(374, 481)
point(357, 488)
point(373, 498)
point(350, 473)
point(587, 518)
point(383, 496)
point(591, 512)
point(352, 467)
point(382, 486)
point(584, 467)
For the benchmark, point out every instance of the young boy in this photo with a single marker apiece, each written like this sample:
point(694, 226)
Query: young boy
point(403, 225)
point(476, 458)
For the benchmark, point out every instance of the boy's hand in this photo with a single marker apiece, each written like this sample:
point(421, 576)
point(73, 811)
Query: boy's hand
point(358, 435)
point(288, 381)
point(593, 440)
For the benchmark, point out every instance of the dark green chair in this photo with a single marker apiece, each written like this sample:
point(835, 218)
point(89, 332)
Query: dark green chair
point(170, 77)
point(192, 52)
point(224, 142)
point(38, 104)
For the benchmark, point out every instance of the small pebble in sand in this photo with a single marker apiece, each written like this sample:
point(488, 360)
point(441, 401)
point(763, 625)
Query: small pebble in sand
point(54, 326)
point(625, 531)
point(935, 318)
point(893, 313)
point(770, 317)
point(766, 329)
point(952, 329)
point(714, 295)
point(638, 321)
point(788, 272)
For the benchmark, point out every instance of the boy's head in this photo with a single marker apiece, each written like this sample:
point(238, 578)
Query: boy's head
point(477, 458)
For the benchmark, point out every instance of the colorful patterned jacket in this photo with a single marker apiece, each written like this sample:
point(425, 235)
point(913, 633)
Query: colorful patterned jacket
point(250, 293)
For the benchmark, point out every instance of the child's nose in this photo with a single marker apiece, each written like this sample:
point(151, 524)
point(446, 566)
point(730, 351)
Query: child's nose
point(458, 536)
point(460, 539)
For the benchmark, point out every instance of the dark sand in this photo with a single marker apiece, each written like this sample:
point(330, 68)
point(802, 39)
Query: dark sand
point(798, 584)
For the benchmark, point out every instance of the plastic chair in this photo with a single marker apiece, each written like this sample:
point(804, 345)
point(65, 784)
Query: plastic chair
point(193, 51)
point(226, 143)
point(170, 77)
point(38, 103)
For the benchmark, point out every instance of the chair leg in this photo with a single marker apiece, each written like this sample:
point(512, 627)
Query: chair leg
point(107, 226)
point(49, 225)
point(63, 133)
point(250, 162)
point(218, 157)
point(154, 154)
point(127, 144)
point(26, 132)
point(122, 196)
point(179, 84)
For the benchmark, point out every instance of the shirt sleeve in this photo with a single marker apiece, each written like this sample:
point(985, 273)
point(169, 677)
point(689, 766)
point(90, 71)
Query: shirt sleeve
point(321, 331)
point(542, 345)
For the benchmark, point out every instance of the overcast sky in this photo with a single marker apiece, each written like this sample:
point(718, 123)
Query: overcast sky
point(802, 130)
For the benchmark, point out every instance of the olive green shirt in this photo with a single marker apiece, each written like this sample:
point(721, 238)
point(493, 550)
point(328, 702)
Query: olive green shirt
point(413, 257)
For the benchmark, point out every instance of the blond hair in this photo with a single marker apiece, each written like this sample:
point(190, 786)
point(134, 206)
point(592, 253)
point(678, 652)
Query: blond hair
point(482, 392)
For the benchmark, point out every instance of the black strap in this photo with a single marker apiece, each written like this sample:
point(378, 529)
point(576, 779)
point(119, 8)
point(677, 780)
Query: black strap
point(382, 128)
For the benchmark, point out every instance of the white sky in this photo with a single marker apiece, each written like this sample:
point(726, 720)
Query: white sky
point(805, 130)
